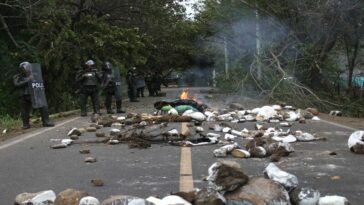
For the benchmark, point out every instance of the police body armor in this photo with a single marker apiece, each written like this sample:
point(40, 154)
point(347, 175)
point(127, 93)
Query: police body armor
point(36, 87)
point(89, 78)
point(117, 81)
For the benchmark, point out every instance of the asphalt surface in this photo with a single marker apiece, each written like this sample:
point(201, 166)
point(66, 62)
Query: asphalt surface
point(27, 164)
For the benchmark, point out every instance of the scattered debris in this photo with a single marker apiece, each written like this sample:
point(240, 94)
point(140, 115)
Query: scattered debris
point(89, 200)
point(336, 113)
point(286, 179)
point(74, 131)
point(305, 196)
point(84, 151)
point(223, 177)
point(125, 200)
point(41, 198)
point(69, 197)
point(58, 146)
point(90, 159)
point(97, 182)
point(356, 142)
point(333, 200)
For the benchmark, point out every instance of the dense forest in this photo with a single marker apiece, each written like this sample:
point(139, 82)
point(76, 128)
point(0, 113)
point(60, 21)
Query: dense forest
point(308, 53)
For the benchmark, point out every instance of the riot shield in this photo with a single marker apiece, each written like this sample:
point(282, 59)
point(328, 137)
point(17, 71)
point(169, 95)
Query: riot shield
point(37, 91)
point(117, 78)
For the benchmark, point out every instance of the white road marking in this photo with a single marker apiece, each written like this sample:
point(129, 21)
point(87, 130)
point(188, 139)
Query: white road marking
point(186, 178)
point(338, 125)
point(22, 139)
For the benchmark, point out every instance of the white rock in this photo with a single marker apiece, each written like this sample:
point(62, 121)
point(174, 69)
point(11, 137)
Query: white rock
point(229, 137)
point(66, 141)
point(223, 151)
point(287, 146)
point(72, 131)
point(333, 200)
point(199, 129)
point(235, 121)
point(245, 130)
point(289, 181)
point(113, 142)
point(277, 107)
point(255, 111)
point(293, 116)
point(225, 117)
point(213, 135)
point(304, 137)
point(89, 200)
point(172, 112)
point(308, 196)
point(289, 139)
point(44, 197)
point(168, 200)
point(236, 132)
point(285, 124)
point(315, 118)
point(274, 121)
point(121, 118)
point(356, 138)
point(226, 129)
point(173, 132)
point(198, 116)
point(289, 107)
point(241, 114)
point(116, 125)
point(249, 118)
point(267, 112)
point(217, 128)
point(188, 113)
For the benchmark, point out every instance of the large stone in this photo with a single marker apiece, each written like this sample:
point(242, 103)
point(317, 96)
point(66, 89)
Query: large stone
point(289, 181)
point(223, 177)
point(70, 197)
point(100, 134)
point(356, 142)
point(89, 200)
point(209, 197)
point(125, 200)
point(74, 131)
point(333, 200)
point(91, 129)
point(304, 196)
point(258, 191)
point(314, 111)
point(40, 198)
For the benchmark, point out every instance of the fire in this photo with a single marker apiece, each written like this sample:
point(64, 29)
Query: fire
point(184, 95)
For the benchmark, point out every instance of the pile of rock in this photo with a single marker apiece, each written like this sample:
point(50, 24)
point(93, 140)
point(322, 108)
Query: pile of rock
point(227, 184)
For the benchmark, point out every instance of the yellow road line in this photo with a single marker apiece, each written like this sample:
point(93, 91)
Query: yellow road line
point(186, 178)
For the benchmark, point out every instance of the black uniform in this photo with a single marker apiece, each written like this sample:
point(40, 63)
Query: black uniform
point(148, 82)
point(22, 81)
point(140, 85)
point(131, 81)
point(88, 79)
point(110, 89)
point(156, 83)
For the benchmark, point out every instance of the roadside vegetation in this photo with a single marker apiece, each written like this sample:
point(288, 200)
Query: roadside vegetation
point(306, 53)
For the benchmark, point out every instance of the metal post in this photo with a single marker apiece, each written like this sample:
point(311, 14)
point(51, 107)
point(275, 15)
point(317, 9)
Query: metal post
point(226, 58)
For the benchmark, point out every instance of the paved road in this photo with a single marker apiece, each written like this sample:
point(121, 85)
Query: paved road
point(29, 165)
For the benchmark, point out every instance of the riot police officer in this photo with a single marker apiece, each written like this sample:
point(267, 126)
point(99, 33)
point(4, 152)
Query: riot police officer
point(131, 81)
point(88, 79)
point(23, 81)
point(111, 85)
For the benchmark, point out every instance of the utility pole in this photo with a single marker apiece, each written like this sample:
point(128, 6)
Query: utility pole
point(226, 58)
point(258, 43)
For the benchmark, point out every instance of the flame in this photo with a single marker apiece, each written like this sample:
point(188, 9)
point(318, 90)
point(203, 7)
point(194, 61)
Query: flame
point(184, 95)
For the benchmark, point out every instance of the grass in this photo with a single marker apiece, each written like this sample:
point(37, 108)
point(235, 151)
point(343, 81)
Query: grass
point(7, 122)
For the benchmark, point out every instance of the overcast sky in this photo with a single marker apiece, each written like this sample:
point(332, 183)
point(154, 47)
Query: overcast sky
point(189, 4)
